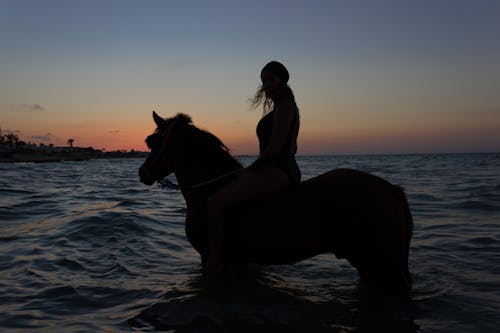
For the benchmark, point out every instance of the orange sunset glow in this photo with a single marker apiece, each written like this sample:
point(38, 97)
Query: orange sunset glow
point(366, 81)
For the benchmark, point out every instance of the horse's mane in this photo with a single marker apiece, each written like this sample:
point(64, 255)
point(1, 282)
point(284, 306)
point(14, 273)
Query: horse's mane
point(201, 142)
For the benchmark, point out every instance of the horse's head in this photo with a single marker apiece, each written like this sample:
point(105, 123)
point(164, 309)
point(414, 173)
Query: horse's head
point(195, 155)
point(159, 162)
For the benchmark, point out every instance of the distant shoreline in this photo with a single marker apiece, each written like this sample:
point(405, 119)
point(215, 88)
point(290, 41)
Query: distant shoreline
point(46, 155)
point(57, 154)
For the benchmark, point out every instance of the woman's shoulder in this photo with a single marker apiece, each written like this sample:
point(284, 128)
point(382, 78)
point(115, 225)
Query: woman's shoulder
point(286, 106)
point(286, 112)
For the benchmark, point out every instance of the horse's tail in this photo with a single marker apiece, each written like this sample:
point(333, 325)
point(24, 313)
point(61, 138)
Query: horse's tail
point(400, 194)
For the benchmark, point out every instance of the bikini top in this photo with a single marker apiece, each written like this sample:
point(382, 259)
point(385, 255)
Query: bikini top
point(265, 129)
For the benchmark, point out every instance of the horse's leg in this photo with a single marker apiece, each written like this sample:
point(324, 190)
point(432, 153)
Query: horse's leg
point(407, 220)
point(385, 271)
point(384, 262)
point(248, 186)
point(390, 280)
point(216, 236)
point(204, 261)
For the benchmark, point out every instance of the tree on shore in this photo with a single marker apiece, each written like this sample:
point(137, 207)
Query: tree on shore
point(70, 142)
point(11, 139)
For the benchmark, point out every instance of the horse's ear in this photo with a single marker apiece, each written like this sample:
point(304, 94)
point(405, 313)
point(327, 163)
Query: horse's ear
point(183, 119)
point(158, 120)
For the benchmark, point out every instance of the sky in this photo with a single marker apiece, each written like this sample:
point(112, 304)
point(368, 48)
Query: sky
point(369, 77)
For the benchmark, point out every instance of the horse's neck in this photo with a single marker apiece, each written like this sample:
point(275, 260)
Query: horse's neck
point(197, 169)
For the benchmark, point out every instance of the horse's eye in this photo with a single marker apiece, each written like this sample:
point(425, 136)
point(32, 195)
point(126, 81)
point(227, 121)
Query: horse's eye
point(152, 141)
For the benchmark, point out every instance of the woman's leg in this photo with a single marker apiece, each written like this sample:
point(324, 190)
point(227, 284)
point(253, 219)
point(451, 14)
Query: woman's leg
point(248, 186)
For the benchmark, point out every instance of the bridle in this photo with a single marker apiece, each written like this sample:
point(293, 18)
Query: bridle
point(167, 184)
point(164, 134)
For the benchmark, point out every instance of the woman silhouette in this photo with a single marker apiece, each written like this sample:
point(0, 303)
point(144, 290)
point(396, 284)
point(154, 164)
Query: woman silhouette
point(275, 170)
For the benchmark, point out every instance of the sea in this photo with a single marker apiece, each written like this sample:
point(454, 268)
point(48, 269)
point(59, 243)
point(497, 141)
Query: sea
point(86, 247)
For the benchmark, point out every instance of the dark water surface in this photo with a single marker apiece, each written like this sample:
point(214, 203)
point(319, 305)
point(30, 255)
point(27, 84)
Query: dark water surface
point(85, 247)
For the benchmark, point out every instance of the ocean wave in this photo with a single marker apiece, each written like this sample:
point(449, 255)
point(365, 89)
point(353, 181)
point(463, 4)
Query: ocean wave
point(103, 224)
point(62, 300)
point(30, 204)
point(71, 264)
point(478, 205)
point(115, 269)
point(485, 240)
point(8, 214)
point(5, 190)
point(128, 203)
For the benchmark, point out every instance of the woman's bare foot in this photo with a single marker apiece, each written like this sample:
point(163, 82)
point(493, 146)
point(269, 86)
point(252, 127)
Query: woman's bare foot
point(215, 266)
point(215, 263)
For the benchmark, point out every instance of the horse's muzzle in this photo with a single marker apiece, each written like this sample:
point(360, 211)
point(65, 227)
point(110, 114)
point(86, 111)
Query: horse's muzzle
point(145, 176)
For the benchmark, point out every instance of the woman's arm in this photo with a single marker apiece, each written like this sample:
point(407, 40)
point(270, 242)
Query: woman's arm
point(284, 116)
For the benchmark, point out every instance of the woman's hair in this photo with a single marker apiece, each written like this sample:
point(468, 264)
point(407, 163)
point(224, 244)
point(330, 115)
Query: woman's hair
point(267, 102)
point(261, 98)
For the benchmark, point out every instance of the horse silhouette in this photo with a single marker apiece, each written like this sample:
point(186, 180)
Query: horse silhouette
point(355, 215)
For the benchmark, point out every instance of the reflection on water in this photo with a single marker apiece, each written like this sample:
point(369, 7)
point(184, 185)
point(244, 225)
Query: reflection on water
point(254, 301)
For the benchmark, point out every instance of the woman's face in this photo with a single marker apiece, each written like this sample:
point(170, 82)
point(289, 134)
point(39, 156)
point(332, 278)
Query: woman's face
point(271, 83)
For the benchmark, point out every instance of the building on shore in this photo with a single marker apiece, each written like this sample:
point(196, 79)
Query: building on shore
point(27, 152)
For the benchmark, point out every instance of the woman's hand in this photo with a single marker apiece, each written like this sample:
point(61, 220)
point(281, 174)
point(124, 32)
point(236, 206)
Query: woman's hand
point(240, 171)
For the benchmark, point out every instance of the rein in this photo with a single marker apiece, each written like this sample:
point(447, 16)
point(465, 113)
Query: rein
point(167, 184)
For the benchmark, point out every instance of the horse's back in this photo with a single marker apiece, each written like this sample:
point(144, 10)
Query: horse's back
point(348, 187)
point(339, 178)
point(345, 193)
